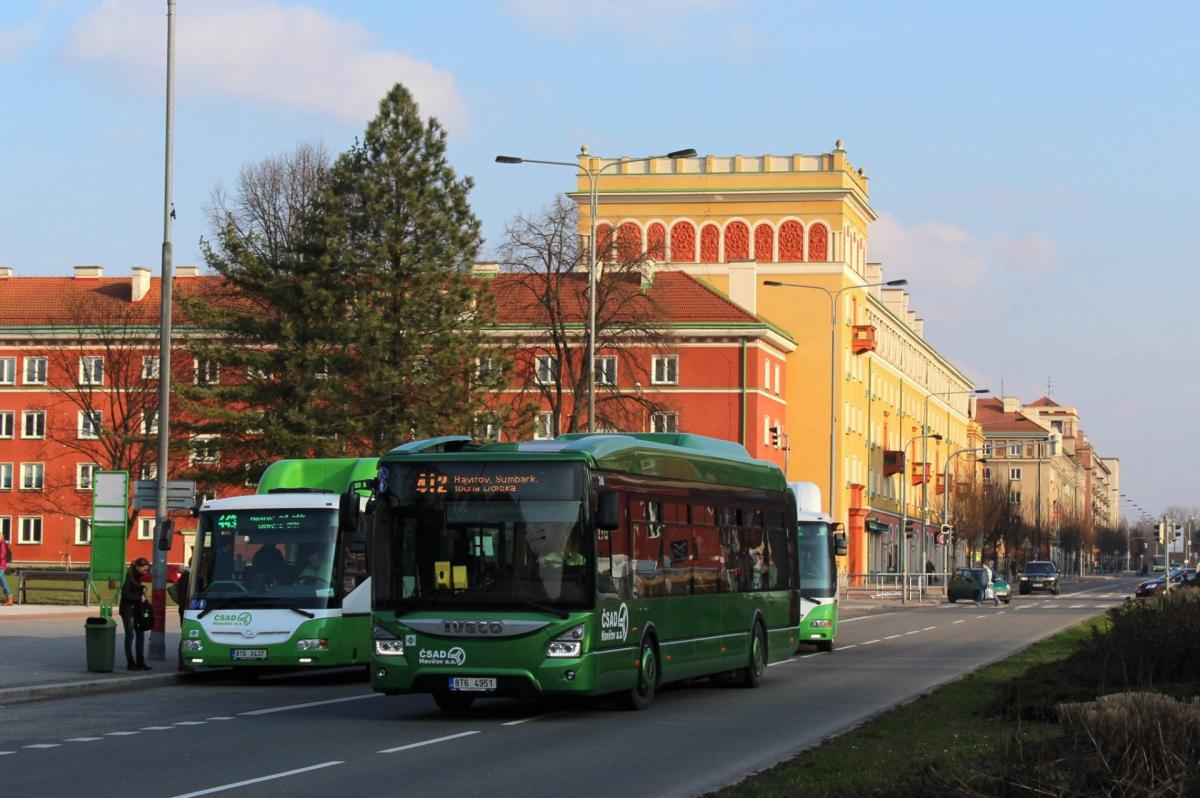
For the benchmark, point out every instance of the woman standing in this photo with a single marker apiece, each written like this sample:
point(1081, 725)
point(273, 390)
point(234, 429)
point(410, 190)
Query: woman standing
point(133, 597)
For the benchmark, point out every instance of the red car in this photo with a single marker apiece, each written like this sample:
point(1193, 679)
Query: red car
point(173, 572)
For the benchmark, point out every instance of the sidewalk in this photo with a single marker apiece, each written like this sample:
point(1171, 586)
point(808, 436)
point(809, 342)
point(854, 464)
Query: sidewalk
point(42, 655)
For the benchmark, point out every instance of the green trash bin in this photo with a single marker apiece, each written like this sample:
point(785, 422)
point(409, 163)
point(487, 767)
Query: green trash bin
point(100, 636)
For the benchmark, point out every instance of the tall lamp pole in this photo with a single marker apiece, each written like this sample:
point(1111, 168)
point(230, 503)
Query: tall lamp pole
point(158, 593)
point(833, 306)
point(949, 509)
point(904, 513)
point(593, 201)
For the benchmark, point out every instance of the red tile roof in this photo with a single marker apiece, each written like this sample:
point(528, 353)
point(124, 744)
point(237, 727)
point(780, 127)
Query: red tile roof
point(990, 414)
point(1045, 401)
point(57, 301)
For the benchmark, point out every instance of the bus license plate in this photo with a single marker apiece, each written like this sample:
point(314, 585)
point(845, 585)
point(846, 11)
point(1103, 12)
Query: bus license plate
point(472, 683)
point(248, 653)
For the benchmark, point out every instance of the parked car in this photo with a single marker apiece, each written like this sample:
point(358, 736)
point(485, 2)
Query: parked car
point(966, 582)
point(1181, 576)
point(1038, 575)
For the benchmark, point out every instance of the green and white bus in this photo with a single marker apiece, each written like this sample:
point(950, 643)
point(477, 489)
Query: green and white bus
point(591, 564)
point(280, 578)
point(818, 542)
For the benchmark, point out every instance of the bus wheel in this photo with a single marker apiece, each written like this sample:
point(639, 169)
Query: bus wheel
point(453, 702)
point(825, 646)
point(757, 667)
point(641, 695)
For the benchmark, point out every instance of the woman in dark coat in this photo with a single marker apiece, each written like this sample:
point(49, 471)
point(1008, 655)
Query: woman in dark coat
point(133, 596)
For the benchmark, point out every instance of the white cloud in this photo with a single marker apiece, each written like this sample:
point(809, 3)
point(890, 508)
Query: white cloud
point(14, 40)
point(291, 56)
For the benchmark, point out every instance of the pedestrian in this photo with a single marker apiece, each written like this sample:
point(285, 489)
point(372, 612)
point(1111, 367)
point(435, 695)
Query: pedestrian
point(179, 592)
point(5, 558)
point(930, 570)
point(133, 599)
point(989, 589)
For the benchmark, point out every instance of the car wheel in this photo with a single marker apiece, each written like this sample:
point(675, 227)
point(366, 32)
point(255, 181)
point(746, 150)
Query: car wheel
point(641, 695)
point(757, 667)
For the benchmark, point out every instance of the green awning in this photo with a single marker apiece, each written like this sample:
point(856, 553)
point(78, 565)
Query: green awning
point(877, 527)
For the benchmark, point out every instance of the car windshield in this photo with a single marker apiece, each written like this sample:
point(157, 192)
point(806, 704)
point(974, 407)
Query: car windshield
point(266, 558)
point(1039, 568)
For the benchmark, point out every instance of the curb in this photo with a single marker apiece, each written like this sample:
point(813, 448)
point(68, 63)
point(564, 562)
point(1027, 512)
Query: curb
point(49, 692)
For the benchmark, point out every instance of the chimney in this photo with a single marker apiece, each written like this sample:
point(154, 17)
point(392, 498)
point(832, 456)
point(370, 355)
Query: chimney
point(88, 272)
point(918, 326)
point(1011, 404)
point(5, 272)
point(140, 283)
point(743, 284)
point(485, 270)
point(187, 271)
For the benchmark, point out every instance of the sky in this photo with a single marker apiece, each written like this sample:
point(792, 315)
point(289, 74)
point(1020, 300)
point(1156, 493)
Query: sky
point(1033, 164)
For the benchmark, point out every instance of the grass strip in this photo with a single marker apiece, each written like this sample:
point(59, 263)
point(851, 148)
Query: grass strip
point(948, 730)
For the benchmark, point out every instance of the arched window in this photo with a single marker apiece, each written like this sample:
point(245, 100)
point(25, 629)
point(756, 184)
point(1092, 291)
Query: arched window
point(737, 242)
point(818, 242)
point(710, 237)
point(764, 243)
point(656, 241)
point(629, 242)
point(683, 242)
point(791, 242)
point(604, 242)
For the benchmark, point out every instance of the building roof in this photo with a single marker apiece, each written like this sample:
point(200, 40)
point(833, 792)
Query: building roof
point(989, 412)
point(58, 301)
point(1045, 401)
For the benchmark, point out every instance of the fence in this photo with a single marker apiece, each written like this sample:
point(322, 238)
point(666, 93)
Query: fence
point(892, 585)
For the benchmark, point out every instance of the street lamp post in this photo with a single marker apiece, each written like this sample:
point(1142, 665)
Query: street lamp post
point(833, 305)
point(593, 201)
point(904, 514)
point(948, 513)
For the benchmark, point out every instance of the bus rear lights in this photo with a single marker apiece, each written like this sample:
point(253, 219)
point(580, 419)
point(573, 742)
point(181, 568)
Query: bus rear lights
point(567, 645)
point(312, 644)
point(191, 645)
point(389, 648)
point(821, 624)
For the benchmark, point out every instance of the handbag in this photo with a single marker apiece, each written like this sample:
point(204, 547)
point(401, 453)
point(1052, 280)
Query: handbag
point(144, 621)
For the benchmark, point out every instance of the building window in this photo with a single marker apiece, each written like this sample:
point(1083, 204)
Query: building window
point(1014, 450)
point(987, 472)
point(31, 529)
point(664, 422)
point(484, 366)
point(149, 422)
point(766, 375)
point(89, 424)
point(91, 370)
point(487, 426)
point(6, 474)
point(33, 424)
point(777, 378)
point(33, 476)
point(7, 421)
point(545, 427)
point(35, 371)
point(145, 529)
point(6, 527)
point(83, 531)
point(207, 372)
point(8, 371)
point(204, 451)
point(666, 370)
point(1014, 474)
point(85, 475)
point(1015, 497)
point(547, 369)
point(606, 370)
point(987, 450)
point(149, 367)
point(766, 430)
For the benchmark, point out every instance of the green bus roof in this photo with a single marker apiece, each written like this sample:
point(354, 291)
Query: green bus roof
point(332, 475)
point(694, 458)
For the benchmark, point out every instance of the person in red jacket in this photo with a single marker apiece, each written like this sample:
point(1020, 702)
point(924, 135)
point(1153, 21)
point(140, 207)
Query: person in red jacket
point(4, 559)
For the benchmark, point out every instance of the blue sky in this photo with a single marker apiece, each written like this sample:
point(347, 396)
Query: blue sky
point(1033, 164)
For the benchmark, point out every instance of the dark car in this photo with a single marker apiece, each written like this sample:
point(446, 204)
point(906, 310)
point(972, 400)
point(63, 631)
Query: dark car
point(1180, 577)
point(966, 582)
point(1038, 575)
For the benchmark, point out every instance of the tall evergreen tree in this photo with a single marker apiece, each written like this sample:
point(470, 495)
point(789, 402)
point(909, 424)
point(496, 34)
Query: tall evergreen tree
point(400, 238)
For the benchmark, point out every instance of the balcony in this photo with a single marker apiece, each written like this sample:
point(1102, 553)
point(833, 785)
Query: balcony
point(893, 462)
point(862, 338)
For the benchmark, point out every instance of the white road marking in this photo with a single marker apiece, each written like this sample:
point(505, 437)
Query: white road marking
point(1020, 608)
point(961, 621)
point(260, 779)
point(7, 753)
point(981, 616)
point(290, 707)
point(548, 714)
point(427, 742)
point(221, 717)
point(157, 728)
point(769, 665)
point(191, 723)
point(865, 617)
point(869, 642)
point(82, 739)
point(43, 745)
point(928, 628)
point(1076, 606)
point(814, 654)
point(118, 734)
point(891, 637)
point(917, 631)
point(852, 645)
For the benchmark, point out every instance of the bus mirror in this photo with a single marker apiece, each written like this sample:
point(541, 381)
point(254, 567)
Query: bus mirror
point(608, 510)
point(359, 538)
point(348, 511)
point(840, 544)
point(166, 535)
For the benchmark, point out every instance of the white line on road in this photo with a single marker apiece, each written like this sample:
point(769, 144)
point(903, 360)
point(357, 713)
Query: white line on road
point(427, 742)
point(82, 739)
point(869, 642)
point(917, 631)
point(260, 779)
point(43, 745)
point(1076, 606)
point(221, 717)
point(891, 637)
point(962, 621)
point(118, 734)
point(865, 617)
point(290, 707)
point(190, 723)
point(7, 753)
point(852, 645)
point(157, 728)
point(928, 628)
point(769, 665)
point(548, 714)
point(982, 616)
point(814, 654)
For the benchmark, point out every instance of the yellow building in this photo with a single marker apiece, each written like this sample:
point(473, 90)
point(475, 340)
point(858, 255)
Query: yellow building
point(740, 221)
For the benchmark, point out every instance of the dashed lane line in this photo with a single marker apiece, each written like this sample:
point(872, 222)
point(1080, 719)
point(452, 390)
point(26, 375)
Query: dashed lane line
point(190, 723)
point(425, 742)
point(119, 734)
point(82, 739)
point(913, 632)
point(869, 642)
point(852, 645)
point(307, 704)
point(259, 780)
point(221, 717)
point(538, 717)
point(891, 637)
point(7, 753)
point(157, 728)
point(42, 745)
point(964, 620)
point(928, 628)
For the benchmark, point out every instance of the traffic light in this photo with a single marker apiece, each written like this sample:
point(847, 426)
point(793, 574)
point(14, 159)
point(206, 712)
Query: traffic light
point(910, 528)
point(775, 437)
point(1162, 532)
point(947, 529)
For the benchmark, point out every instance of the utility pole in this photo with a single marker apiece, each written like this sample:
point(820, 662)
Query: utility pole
point(158, 593)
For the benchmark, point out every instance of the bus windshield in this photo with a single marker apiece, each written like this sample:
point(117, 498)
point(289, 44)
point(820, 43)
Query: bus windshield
point(816, 560)
point(473, 534)
point(266, 558)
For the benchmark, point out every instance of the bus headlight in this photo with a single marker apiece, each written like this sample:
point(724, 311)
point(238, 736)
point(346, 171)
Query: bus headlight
point(191, 645)
point(567, 645)
point(389, 648)
point(312, 644)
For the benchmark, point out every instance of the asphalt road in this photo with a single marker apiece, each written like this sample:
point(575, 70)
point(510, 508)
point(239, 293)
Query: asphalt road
point(328, 734)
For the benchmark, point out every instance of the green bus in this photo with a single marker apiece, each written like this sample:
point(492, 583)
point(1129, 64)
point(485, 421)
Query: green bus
point(590, 564)
point(819, 541)
point(280, 578)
